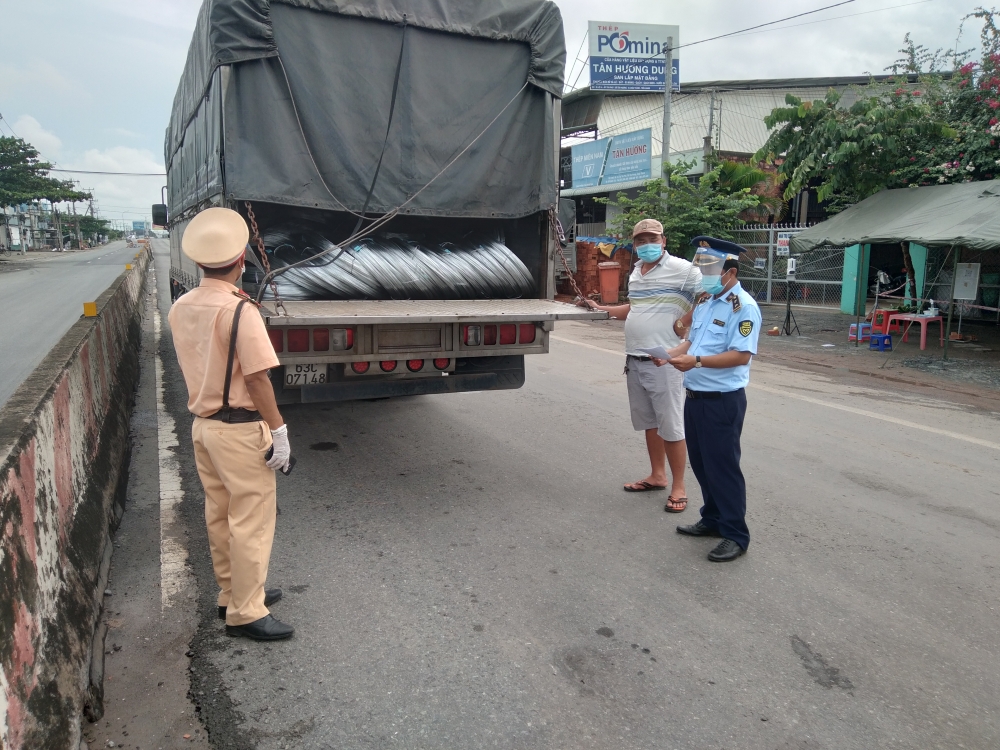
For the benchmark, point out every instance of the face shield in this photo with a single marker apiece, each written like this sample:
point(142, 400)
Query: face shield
point(710, 262)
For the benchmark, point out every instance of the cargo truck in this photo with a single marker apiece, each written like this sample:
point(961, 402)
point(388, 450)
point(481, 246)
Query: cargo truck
point(442, 117)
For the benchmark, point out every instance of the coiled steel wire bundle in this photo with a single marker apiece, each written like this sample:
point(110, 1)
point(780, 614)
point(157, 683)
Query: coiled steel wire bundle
point(393, 267)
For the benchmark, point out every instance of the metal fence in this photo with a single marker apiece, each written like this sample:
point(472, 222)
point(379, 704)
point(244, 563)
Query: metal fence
point(938, 285)
point(763, 269)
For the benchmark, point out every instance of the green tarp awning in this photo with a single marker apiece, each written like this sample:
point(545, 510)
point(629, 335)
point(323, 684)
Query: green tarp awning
point(964, 215)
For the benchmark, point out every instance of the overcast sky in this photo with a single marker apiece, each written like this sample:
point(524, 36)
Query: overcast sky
point(91, 83)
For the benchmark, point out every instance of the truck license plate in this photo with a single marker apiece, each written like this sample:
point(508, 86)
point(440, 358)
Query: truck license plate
point(297, 375)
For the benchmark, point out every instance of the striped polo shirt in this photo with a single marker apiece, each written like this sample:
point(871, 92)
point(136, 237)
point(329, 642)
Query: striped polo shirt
point(657, 299)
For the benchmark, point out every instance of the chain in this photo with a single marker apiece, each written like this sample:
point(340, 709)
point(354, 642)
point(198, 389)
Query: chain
point(560, 236)
point(278, 306)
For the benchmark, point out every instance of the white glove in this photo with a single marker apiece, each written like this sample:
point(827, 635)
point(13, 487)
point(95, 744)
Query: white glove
point(282, 450)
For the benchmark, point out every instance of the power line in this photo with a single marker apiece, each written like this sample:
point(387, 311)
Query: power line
point(761, 25)
point(123, 174)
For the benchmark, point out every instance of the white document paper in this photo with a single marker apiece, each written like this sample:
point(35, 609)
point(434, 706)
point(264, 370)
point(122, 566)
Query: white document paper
point(657, 351)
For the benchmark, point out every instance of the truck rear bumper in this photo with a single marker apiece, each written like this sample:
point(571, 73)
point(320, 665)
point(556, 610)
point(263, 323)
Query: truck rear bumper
point(473, 374)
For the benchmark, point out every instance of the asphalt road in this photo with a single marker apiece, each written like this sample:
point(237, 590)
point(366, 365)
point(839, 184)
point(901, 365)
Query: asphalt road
point(464, 571)
point(43, 297)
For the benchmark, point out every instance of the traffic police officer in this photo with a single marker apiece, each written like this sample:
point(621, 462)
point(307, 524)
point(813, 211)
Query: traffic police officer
point(716, 367)
point(238, 434)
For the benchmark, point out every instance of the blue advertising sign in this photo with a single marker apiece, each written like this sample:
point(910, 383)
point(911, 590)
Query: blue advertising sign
point(588, 162)
point(630, 57)
point(138, 226)
point(629, 158)
point(613, 161)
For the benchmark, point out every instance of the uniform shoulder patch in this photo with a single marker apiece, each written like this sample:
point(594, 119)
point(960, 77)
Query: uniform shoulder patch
point(736, 304)
point(746, 328)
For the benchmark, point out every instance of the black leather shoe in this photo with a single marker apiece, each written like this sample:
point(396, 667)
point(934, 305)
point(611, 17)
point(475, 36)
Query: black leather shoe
point(697, 529)
point(264, 629)
point(270, 597)
point(726, 551)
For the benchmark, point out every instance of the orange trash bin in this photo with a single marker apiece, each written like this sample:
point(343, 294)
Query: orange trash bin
point(610, 278)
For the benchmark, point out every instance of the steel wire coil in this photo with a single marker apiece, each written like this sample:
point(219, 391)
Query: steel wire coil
point(394, 267)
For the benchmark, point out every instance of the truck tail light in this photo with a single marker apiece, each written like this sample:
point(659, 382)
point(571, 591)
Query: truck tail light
point(360, 367)
point(414, 365)
point(298, 339)
point(490, 335)
point(349, 338)
point(442, 364)
point(388, 365)
point(527, 333)
point(508, 333)
point(321, 339)
point(472, 335)
point(277, 336)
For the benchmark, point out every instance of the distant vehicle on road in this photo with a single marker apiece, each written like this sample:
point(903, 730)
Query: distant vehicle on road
point(450, 134)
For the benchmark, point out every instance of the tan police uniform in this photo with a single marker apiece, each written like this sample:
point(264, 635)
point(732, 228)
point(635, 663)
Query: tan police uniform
point(239, 488)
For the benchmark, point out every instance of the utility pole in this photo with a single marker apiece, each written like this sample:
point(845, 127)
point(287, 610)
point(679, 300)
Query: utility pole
point(707, 148)
point(668, 79)
point(79, 237)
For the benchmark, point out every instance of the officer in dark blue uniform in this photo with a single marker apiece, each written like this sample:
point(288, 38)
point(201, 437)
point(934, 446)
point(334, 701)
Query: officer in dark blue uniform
point(716, 365)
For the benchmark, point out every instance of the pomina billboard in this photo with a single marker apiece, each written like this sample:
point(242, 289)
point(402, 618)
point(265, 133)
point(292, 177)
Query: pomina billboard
point(629, 56)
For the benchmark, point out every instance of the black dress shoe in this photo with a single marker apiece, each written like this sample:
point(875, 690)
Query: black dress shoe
point(264, 629)
point(726, 551)
point(270, 597)
point(697, 529)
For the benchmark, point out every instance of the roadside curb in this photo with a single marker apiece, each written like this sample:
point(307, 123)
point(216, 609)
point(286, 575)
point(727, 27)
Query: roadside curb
point(64, 445)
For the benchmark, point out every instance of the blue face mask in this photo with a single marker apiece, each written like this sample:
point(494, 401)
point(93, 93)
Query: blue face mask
point(649, 253)
point(712, 284)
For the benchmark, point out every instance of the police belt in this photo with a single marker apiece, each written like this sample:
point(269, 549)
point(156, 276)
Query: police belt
point(234, 415)
point(709, 394)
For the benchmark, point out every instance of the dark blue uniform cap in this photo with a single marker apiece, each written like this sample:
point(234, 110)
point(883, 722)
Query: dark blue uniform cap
point(721, 245)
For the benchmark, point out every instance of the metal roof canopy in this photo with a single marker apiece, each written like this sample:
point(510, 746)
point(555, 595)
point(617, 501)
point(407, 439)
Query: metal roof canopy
point(962, 215)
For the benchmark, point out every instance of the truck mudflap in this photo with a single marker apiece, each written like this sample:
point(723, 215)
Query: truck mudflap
point(393, 312)
point(471, 374)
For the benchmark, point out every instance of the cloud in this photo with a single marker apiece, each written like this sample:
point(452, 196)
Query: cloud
point(171, 14)
point(48, 144)
point(118, 197)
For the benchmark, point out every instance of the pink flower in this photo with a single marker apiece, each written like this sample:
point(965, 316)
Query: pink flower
point(967, 68)
point(993, 121)
point(916, 93)
point(899, 92)
point(993, 103)
point(913, 158)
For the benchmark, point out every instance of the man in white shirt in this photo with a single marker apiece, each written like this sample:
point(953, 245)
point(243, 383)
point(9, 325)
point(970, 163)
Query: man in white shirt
point(661, 290)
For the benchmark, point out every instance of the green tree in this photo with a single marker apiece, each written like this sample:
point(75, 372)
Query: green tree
point(692, 208)
point(852, 152)
point(24, 177)
point(942, 130)
point(734, 177)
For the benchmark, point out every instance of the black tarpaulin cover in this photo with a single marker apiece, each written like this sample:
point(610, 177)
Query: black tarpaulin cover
point(463, 62)
point(964, 215)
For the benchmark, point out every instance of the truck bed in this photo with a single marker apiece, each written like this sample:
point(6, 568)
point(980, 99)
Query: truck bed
point(394, 312)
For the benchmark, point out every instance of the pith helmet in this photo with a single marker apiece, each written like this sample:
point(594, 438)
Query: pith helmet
point(215, 238)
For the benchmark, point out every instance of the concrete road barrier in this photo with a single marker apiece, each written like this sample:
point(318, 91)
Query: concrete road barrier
point(64, 449)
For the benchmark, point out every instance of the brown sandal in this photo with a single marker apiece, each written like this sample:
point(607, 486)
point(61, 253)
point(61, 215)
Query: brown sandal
point(643, 486)
point(676, 504)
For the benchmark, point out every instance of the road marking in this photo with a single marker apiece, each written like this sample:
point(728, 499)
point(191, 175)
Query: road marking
point(883, 417)
point(616, 352)
point(173, 556)
point(841, 407)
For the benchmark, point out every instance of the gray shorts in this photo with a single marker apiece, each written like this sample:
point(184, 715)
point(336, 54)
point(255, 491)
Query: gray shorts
point(656, 398)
